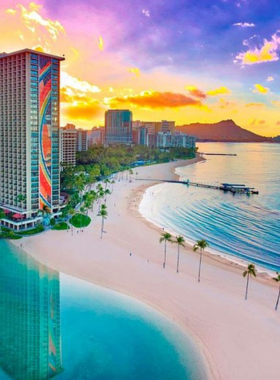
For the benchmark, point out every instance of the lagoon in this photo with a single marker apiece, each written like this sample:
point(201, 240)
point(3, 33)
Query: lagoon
point(55, 325)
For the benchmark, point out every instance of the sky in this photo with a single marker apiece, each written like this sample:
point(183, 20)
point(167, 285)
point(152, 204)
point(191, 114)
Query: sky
point(183, 60)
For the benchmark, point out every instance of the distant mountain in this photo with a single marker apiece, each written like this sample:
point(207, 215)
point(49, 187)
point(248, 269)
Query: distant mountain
point(225, 130)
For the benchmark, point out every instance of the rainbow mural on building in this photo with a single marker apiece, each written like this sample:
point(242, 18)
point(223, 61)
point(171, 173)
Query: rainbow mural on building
point(45, 131)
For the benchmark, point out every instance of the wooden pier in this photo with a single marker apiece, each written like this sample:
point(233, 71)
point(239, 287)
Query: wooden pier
point(218, 154)
point(226, 187)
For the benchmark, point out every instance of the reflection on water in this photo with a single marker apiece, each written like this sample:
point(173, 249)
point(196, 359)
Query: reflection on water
point(104, 335)
point(30, 345)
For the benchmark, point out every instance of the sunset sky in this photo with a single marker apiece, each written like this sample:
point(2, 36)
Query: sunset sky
point(182, 60)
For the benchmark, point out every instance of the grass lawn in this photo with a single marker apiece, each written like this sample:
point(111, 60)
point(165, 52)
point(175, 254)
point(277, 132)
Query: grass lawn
point(80, 220)
point(60, 226)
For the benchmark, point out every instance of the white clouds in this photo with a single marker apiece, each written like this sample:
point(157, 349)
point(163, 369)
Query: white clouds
point(76, 84)
point(270, 79)
point(267, 52)
point(244, 24)
point(146, 12)
point(33, 19)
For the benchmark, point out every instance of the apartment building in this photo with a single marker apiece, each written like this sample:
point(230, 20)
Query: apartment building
point(68, 144)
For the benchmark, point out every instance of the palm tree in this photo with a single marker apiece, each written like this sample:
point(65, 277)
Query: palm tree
point(72, 212)
point(277, 279)
point(106, 181)
point(106, 192)
point(103, 213)
point(130, 175)
point(82, 212)
point(201, 245)
point(166, 237)
point(251, 271)
point(180, 241)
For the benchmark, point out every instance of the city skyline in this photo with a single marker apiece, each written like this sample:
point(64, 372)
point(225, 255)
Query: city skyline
point(175, 61)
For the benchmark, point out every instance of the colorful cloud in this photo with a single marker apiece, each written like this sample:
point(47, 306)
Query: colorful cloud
point(101, 43)
point(135, 71)
point(267, 53)
point(194, 91)
point(33, 19)
point(254, 105)
point(219, 91)
point(77, 84)
point(155, 100)
point(260, 89)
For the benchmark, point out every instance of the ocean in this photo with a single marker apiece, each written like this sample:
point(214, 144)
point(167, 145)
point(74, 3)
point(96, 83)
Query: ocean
point(57, 325)
point(244, 227)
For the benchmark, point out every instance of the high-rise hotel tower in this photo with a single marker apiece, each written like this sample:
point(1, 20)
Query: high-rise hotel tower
point(118, 127)
point(29, 136)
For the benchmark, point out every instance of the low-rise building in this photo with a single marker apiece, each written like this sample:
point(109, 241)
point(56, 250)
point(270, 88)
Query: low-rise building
point(96, 136)
point(168, 140)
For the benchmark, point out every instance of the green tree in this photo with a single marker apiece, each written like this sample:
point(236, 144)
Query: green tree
point(166, 237)
point(72, 212)
point(277, 279)
point(250, 271)
point(201, 245)
point(179, 240)
point(103, 213)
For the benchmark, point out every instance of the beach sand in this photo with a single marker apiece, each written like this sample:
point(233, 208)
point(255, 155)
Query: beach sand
point(240, 340)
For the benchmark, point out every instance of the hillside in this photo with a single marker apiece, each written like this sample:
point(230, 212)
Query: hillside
point(225, 130)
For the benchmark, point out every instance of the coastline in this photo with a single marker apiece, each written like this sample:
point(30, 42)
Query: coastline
point(107, 263)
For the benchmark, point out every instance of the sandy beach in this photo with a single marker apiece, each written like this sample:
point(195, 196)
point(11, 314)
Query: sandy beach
point(239, 339)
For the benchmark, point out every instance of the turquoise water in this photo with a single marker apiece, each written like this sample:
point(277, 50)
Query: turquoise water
point(55, 325)
point(247, 227)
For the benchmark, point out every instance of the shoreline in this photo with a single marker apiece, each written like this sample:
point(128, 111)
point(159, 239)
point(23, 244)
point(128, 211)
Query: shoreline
point(107, 263)
point(226, 258)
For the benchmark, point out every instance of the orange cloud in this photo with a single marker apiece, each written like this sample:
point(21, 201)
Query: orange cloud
point(225, 104)
point(79, 106)
point(39, 48)
point(219, 91)
point(260, 89)
point(83, 111)
point(155, 100)
point(256, 122)
point(194, 91)
point(254, 105)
